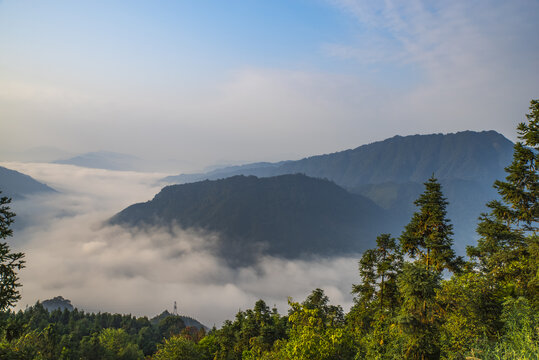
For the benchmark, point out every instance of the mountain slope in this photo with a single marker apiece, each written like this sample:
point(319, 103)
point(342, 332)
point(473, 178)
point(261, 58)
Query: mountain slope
point(18, 185)
point(187, 320)
point(58, 302)
point(288, 215)
point(391, 173)
point(466, 155)
point(260, 169)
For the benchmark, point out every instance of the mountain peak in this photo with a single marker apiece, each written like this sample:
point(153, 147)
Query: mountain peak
point(290, 215)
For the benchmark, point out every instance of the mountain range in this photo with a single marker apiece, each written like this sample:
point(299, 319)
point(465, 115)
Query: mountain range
point(255, 216)
point(18, 185)
point(365, 191)
point(467, 155)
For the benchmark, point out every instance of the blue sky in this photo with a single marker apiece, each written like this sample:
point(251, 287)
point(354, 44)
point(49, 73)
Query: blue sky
point(203, 82)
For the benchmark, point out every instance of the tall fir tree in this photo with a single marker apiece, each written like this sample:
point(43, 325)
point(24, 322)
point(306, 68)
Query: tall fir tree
point(427, 240)
point(420, 316)
point(10, 262)
point(428, 236)
point(378, 300)
point(508, 250)
point(378, 270)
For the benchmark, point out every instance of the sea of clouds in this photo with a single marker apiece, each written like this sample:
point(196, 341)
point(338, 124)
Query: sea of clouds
point(70, 251)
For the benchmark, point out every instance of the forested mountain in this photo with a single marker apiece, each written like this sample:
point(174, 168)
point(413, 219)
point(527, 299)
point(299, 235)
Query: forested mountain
point(467, 155)
point(392, 172)
point(260, 169)
point(287, 215)
point(57, 303)
point(17, 185)
point(187, 320)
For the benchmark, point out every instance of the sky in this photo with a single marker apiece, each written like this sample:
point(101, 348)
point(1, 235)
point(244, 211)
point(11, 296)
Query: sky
point(198, 83)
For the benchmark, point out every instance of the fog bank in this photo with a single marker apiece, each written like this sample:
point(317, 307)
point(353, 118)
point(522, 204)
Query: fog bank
point(70, 252)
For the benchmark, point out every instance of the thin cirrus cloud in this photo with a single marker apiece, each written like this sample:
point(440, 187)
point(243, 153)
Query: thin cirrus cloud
point(475, 60)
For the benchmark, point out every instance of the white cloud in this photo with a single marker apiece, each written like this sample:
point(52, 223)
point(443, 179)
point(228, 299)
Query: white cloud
point(476, 59)
point(107, 268)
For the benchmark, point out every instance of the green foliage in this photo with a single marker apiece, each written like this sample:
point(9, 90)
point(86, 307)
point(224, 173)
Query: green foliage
point(378, 271)
point(378, 299)
point(317, 331)
point(75, 335)
point(520, 339)
point(427, 238)
point(178, 348)
point(507, 251)
point(10, 262)
point(251, 334)
point(420, 316)
point(471, 311)
point(117, 344)
point(170, 326)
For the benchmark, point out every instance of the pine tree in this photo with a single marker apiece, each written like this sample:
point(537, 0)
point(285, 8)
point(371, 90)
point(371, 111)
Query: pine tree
point(9, 262)
point(420, 318)
point(378, 270)
point(427, 241)
point(508, 249)
point(378, 298)
point(427, 238)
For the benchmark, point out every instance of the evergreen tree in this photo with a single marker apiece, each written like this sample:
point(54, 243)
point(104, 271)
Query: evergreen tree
point(317, 331)
point(508, 250)
point(427, 238)
point(377, 296)
point(420, 318)
point(9, 262)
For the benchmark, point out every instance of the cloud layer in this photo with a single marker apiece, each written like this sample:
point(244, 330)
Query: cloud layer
point(107, 268)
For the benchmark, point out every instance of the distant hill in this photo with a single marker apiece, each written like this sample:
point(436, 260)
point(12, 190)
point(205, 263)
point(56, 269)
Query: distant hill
point(104, 160)
point(18, 185)
point(260, 169)
point(56, 303)
point(287, 215)
point(391, 173)
point(188, 321)
point(467, 155)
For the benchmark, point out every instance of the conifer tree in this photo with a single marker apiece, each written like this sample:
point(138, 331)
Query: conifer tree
point(427, 241)
point(420, 318)
point(508, 249)
point(427, 238)
point(10, 262)
point(378, 270)
point(378, 298)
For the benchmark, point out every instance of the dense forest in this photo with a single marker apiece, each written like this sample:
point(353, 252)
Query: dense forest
point(414, 298)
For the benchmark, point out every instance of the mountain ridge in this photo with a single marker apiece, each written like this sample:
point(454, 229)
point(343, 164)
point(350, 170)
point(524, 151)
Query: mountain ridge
point(17, 185)
point(290, 215)
point(366, 164)
point(391, 173)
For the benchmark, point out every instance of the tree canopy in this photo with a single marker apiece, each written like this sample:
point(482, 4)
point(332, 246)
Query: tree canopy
point(10, 262)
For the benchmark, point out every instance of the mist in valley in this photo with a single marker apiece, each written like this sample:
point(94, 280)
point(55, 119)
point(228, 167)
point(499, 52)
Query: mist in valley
point(70, 251)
